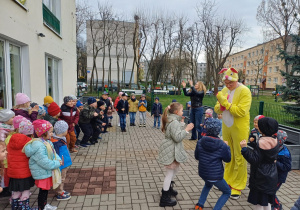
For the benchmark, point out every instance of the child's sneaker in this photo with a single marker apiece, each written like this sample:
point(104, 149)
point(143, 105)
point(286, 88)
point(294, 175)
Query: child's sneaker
point(63, 197)
point(49, 207)
point(67, 193)
point(198, 207)
point(140, 125)
point(153, 127)
point(144, 124)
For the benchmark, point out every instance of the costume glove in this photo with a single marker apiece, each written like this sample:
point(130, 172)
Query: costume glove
point(223, 100)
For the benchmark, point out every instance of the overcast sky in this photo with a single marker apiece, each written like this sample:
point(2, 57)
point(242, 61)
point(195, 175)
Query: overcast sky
point(245, 9)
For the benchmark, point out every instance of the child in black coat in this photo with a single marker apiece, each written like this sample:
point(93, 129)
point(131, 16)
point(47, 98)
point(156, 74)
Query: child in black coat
point(157, 112)
point(263, 171)
point(283, 163)
point(123, 111)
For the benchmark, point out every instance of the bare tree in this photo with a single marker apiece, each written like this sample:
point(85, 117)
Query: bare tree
point(280, 16)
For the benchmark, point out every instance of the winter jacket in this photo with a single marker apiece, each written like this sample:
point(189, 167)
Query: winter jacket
point(40, 165)
point(110, 110)
point(31, 117)
point(50, 119)
point(122, 104)
point(283, 163)
point(211, 151)
point(98, 120)
point(86, 114)
point(156, 109)
point(171, 148)
point(116, 102)
point(263, 170)
point(70, 115)
point(107, 102)
point(133, 105)
point(18, 165)
point(4, 130)
point(196, 97)
point(142, 107)
point(60, 146)
point(254, 134)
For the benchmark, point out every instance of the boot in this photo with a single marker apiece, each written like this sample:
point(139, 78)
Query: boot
point(166, 200)
point(15, 204)
point(171, 190)
point(24, 205)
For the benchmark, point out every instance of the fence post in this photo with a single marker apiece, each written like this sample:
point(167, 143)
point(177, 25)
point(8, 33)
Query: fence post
point(261, 108)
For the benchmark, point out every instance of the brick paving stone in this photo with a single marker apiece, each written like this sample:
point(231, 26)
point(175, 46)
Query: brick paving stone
point(122, 172)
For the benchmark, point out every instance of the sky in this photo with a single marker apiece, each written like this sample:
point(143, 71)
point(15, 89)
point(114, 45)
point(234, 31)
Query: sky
point(245, 9)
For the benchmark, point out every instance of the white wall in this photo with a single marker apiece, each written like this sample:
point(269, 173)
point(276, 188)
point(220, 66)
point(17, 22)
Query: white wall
point(22, 27)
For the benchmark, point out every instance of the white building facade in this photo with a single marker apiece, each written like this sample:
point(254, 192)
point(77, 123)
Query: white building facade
point(37, 50)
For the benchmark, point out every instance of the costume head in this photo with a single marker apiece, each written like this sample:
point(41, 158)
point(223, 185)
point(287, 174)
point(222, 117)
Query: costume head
point(230, 74)
point(268, 126)
point(213, 127)
point(281, 137)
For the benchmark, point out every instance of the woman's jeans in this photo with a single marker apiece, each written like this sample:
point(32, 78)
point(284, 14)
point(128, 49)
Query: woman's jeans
point(196, 118)
point(132, 117)
point(222, 186)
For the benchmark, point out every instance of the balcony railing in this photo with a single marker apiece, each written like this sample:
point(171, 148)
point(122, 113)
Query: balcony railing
point(50, 19)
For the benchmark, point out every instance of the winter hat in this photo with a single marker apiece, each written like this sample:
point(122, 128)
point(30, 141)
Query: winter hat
point(213, 127)
point(143, 95)
point(53, 109)
point(100, 103)
point(209, 112)
point(78, 104)
point(73, 97)
point(105, 93)
point(281, 137)
point(156, 98)
point(174, 100)
point(48, 100)
point(268, 126)
point(17, 120)
point(6, 114)
point(91, 100)
point(26, 127)
point(67, 99)
point(124, 94)
point(21, 98)
point(41, 110)
point(41, 127)
point(120, 94)
point(33, 104)
point(60, 127)
point(258, 117)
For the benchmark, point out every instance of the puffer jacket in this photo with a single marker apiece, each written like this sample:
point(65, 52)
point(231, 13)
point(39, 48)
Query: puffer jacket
point(116, 102)
point(60, 146)
point(171, 148)
point(18, 165)
point(86, 114)
point(283, 163)
point(211, 151)
point(40, 165)
point(70, 115)
point(133, 105)
point(263, 170)
point(31, 117)
point(196, 97)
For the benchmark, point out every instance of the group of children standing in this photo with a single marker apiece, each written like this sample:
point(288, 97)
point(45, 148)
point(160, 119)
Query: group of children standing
point(269, 158)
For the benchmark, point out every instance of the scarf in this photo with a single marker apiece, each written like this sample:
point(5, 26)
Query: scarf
point(56, 174)
point(133, 100)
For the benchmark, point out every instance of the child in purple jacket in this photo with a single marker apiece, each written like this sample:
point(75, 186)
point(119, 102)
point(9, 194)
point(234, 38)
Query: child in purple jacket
point(23, 107)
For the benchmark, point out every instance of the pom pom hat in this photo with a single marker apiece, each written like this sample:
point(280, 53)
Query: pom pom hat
point(41, 127)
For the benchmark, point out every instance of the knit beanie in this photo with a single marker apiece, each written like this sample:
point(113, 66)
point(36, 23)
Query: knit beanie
point(67, 99)
point(33, 104)
point(268, 126)
point(73, 97)
point(26, 127)
point(17, 120)
point(156, 98)
point(60, 127)
point(213, 127)
point(41, 127)
point(6, 114)
point(120, 94)
point(78, 104)
point(21, 98)
point(209, 112)
point(41, 110)
point(53, 109)
point(100, 103)
point(258, 117)
point(174, 100)
point(91, 100)
point(48, 100)
point(281, 137)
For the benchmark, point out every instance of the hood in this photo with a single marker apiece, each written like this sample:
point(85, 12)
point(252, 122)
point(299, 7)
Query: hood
point(172, 117)
point(210, 144)
point(18, 140)
point(267, 143)
point(65, 108)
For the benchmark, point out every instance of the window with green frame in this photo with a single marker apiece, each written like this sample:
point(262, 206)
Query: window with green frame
point(50, 19)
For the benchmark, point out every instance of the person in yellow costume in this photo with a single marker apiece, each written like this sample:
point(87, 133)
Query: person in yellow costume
point(234, 102)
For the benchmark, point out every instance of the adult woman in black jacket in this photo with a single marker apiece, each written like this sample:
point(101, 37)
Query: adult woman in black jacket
point(196, 94)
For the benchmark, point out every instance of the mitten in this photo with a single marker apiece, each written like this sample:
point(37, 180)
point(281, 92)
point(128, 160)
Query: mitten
point(223, 100)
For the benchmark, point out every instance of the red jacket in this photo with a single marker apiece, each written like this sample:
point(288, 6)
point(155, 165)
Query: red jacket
point(116, 102)
point(18, 166)
point(70, 115)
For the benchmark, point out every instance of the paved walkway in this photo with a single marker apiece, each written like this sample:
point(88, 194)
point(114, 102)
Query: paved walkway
point(121, 172)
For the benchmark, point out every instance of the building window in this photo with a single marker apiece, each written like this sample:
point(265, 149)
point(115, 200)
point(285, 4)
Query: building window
point(52, 78)
point(270, 69)
point(259, 80)
point(271, 59)
point(251, 71)
point(265, 74)
point(252, 53)
point(248, 63)
point(276, 69)
point(248, 72)
point(278, 46)
point(277, 57)
point(51, 14)
point(269, 79)
point(10, 72)
point(275, 79)
point(249, 54)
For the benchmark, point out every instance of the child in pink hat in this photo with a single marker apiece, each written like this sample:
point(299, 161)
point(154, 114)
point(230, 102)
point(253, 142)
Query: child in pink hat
point(44, 163)
point(23, 107)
